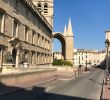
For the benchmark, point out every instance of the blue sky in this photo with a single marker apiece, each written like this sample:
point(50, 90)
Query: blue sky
point(90, 19)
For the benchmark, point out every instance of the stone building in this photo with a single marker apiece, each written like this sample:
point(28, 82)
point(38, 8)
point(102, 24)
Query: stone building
point(25, 34)
point(46, 8)
point(67, 42)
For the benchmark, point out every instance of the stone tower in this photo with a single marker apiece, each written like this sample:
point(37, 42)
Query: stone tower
point(68, 33)
point(46, 8)
point(67, 40)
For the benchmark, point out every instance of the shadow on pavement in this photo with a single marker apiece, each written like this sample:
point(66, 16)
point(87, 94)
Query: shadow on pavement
point(31, 93)
point(96, 81)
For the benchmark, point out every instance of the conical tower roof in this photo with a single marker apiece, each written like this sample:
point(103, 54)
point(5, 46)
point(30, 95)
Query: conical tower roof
point(65, 30)
point(70, 31)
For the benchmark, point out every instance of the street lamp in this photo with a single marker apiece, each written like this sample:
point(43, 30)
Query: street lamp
point(107, 43)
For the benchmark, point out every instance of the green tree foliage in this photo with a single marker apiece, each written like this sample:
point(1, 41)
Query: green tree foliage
point(62, 63)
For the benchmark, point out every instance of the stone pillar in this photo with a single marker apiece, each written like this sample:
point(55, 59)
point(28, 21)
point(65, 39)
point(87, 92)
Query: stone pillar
point(36, 58)
point(1, 61)
point(3, 24)
point(17, 58)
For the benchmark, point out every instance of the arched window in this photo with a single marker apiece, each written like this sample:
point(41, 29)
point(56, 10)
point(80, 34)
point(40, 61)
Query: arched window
point(45, 8)
point(39, 7)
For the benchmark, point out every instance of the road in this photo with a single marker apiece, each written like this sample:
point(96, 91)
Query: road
point(86, 87)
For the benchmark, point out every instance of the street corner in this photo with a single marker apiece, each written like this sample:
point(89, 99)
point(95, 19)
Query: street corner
point(106, 92)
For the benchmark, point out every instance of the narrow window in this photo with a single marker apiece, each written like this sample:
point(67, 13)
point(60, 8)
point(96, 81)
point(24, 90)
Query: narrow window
point(1, 21)
point(16, 10)
point(38, 39)
point(45, 8)
point(26, 33)
point(15, 29)
point(33, 37)
point(39, 7)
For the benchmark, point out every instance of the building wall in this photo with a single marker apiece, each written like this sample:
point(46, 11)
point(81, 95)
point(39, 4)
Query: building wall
point(39, 44)
point(88, 57)
point(57, 55)
point(85, 57)
point(49, 10)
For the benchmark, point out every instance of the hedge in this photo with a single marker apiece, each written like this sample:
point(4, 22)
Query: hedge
point(62, 63)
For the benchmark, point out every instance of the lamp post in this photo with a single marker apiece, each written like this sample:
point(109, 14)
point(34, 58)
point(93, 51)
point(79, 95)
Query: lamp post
point(107, 43)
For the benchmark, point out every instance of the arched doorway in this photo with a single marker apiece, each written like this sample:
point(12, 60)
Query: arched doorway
point(61, 38)
point(14, 53)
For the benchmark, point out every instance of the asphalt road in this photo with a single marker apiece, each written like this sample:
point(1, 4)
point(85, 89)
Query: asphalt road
point(86, 87)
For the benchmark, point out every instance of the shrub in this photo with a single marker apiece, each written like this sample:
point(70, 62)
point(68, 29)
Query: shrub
point(62, 63)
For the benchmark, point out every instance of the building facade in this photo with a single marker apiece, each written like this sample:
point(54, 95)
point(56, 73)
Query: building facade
point(85, 57)
point(57, 56)
point(25, 34)
point(46, 8)
point(88, 57)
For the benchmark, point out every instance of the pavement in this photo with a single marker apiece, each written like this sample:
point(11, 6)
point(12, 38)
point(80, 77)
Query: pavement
point(4, 90)
point(106, 92)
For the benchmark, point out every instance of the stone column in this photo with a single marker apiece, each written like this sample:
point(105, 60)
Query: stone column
point(1, 62)
point(36, 58)
point(3, 24)
point(17, 58)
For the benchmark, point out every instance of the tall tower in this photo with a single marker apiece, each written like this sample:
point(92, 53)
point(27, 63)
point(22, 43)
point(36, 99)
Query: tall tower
point(69, 42)
point(46, 8)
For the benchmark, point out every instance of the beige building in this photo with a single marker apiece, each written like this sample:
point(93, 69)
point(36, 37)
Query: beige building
point(85, 57)
point(57, 55)
point(88, 57)
point(25, 33)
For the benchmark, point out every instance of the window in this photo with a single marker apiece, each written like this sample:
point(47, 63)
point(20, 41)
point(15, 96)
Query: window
point(39, 7)
point(38, 39)
point(1, 22)
point(94, 61)
point(45, 8)
point(82, 57)
point(98, 61)
point(15, 29)
point(16, 10)
point(33, 37)
point(42, 41)
point(26, 33)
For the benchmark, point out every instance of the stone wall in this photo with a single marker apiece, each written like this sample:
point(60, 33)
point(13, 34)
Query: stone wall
point(20, 78)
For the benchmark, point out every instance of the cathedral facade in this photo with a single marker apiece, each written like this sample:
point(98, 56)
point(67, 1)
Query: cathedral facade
point(26, 32)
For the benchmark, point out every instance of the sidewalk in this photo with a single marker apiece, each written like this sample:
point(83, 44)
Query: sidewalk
point(106, 92)
point(4, 90)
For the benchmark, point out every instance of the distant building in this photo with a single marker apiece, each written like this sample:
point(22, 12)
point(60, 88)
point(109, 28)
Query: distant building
point(88, 57)
point(85, 57)
point(25, 34)
point(57, 55)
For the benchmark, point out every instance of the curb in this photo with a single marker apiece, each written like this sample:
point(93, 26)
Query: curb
point(101, 96)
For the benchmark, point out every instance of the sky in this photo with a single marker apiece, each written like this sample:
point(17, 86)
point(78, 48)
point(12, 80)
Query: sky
point(90, 19)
